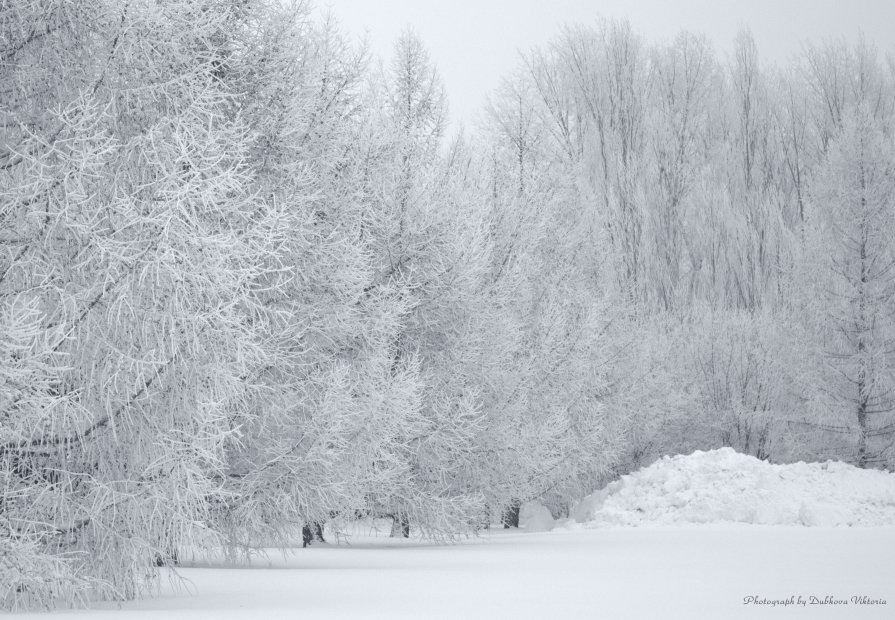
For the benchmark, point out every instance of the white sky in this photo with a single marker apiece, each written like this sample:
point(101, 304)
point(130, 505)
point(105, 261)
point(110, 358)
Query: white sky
point(476, 42)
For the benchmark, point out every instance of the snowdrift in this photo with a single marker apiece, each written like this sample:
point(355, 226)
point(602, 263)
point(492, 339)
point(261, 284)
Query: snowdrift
point(723, 486)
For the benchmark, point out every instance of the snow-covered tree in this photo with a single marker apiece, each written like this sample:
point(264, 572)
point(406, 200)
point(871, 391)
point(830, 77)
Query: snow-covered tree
point(132, 238)
point(301, 443)
point(855, 198)
point(684, 74)
point(428, 244)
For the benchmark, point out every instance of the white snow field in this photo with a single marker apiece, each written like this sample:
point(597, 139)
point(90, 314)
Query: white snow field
point(637, 555)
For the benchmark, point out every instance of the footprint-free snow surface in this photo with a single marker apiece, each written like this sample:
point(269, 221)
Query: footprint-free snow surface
point(664, 568)
point(724, 486)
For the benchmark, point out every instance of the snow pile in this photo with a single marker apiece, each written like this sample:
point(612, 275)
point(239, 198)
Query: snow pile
point(725, 486)
point(535, 517)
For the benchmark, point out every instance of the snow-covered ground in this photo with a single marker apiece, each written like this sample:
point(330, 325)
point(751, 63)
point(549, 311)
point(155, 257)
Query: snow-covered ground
point(665, 567)
point(654, 572)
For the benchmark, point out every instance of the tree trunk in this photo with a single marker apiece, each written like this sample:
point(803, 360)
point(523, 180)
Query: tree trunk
point(306, 536)
point(510, 516)
point(311, 532)
point(167, 559)
point(400, 526)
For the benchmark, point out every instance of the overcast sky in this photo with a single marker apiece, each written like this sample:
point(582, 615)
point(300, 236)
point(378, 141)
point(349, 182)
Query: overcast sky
point(476, 42)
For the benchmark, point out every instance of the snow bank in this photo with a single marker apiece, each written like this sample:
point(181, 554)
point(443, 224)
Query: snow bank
point(535, 517)
point(725, 486)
